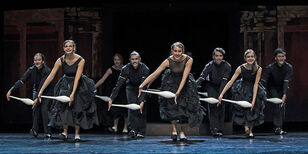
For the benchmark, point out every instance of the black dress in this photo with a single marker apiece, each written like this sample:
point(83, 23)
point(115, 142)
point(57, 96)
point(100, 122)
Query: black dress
point(82, 111)
point(117, 112)
point(188, 107)
point(242, 90)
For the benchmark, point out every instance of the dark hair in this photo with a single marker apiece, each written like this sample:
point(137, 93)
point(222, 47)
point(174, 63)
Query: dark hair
point(221, 50)
point(120, 56)
point(255, 64)
point(279, 51)
point(178, 44)
point(39, 54)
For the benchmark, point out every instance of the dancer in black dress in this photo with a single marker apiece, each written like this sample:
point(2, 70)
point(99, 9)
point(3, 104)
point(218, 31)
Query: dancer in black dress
point(133, 73)
point(248, 89)
point(185, 107)
point(216, 74)
point(277, 76)
point(80, 111)
point(37, 74)
point(112, 75)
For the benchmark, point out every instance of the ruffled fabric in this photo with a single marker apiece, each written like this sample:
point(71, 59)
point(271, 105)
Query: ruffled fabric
point(82, 111)
point(188, 107)
point(243, 91)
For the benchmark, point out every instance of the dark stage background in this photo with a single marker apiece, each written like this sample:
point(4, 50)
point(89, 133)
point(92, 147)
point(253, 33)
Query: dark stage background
point(149, 28)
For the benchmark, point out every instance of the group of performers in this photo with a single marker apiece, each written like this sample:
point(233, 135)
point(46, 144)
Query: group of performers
point(129, 80)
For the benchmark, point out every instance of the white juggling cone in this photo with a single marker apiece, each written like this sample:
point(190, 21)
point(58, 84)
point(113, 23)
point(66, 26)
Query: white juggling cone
point(63, 99)
point(24, 100)
point(166, 94)
point(129, 106)
point(104, 98)
point(244, 104)
point(203, 93)
point(274, 100)
point(210, 100)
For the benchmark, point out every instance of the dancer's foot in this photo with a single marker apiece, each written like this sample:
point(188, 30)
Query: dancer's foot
point(132, 134)
point(33, 132)
point(174, 136)
point(125, 131)
point(47, 136)
point(279, 131)
point(63, 136)
point(77, 138)
point(183, 137)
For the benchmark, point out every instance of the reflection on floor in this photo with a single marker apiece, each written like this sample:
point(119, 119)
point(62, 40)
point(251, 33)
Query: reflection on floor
point(97, 143)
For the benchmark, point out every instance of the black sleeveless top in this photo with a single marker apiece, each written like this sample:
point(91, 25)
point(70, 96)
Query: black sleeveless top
point(70, 70)
point(177, 67)
point(247, 74)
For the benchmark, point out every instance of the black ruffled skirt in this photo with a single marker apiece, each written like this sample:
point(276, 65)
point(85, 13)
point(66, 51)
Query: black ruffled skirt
point(188, 107)
point(242, 90)
point(82, 111)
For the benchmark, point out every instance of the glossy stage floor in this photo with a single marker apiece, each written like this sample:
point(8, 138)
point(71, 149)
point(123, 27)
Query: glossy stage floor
point(99, 143)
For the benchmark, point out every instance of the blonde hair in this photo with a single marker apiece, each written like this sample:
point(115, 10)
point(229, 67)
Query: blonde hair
point(255, 64)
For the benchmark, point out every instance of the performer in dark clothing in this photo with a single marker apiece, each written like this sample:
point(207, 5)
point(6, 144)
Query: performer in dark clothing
point(37, 74)
point(111, 76)
point(80, 111)
point(247, 89)
point(185, 107)
point(216, 74)
point(134, 73)
point(277, 76)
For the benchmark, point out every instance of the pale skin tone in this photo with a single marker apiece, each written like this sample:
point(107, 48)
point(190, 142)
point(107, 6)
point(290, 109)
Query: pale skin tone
point(280, 59)
point(38, 62)
point(134, 60)
point(70, 58)
point(118, 64)
point(250, 59)
point(218, 57)
point(177, 55)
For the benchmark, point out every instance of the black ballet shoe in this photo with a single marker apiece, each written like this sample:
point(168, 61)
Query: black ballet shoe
point(132, 134)
point(47, 136)
point(183, 138)
point(33, 132)
point(174, 137)
point(62, 136)
point(77, 139)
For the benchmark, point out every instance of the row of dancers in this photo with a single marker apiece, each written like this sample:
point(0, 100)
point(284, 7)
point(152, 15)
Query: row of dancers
point(185, 107)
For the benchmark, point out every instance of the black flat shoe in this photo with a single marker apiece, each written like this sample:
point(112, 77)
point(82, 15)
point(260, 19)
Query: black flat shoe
point(183, 138)
point(62, 136)
point(33, 132)
point(174, 137)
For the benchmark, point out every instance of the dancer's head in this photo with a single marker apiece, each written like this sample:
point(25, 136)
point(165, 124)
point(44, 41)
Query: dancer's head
point(117, 59)
point(218, 55)
point(177, 50)
point(134, 59)
point(280, 56)
point(250, 57)
point(69, 46)
point(39, 60)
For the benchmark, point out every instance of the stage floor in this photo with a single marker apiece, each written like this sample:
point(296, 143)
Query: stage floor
point(98, 143)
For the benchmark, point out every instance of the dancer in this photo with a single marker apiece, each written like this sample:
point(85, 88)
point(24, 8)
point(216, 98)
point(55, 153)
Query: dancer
point(277, 76)
point(185, 107)
point(80, 111)
point(216, 73)
point(37, 74)
point(247, 89)
point(134, 73)
point(112, 75)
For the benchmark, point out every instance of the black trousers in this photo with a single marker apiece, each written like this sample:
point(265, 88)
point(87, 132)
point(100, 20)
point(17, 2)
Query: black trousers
point(216, 114)
point(40, 112)
point(136, 120)
point(278, 111)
